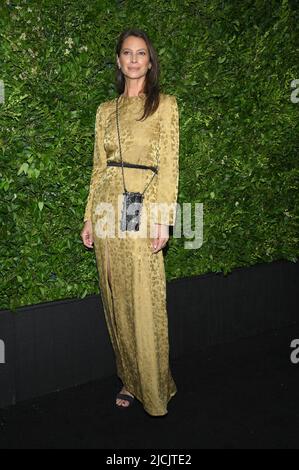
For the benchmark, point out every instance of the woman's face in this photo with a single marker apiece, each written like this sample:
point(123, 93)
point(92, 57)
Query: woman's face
point(134, 58)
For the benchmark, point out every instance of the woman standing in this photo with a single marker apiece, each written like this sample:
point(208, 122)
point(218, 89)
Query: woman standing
point(131, 268)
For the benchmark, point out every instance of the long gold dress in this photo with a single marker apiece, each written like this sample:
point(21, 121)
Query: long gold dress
point(135, 306)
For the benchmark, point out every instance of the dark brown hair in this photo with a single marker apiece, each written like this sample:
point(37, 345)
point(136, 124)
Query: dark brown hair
point(151, 85)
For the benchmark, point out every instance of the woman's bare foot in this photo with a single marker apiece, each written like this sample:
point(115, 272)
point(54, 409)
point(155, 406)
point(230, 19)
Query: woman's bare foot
point(121, 402)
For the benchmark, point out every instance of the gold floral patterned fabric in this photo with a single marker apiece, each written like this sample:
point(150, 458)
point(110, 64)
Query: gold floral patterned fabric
point(135, 302)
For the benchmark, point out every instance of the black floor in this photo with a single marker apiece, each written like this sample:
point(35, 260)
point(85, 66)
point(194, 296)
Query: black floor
point(235, 396)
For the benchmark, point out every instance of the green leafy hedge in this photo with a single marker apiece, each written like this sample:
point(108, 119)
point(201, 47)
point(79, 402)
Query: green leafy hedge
point(230, 64)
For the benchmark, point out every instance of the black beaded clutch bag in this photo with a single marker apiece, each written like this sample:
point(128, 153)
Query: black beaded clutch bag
point(131, 211)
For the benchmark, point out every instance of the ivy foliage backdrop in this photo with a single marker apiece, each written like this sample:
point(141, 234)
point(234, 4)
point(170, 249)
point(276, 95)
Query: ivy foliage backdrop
point(230, 64)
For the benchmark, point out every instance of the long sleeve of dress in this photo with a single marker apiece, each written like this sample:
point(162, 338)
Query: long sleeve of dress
point(168, 174)
point(99, 159)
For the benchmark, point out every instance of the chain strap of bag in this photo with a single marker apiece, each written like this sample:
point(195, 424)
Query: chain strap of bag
point(117, 124)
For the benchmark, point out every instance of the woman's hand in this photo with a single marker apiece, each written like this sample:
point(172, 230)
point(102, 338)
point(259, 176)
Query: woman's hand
point(161, 237)
point(86, 234)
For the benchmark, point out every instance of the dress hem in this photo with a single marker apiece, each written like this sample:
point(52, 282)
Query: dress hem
point(139, 399)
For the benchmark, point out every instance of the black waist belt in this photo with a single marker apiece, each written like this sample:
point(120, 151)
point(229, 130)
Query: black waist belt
point(133, 165)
